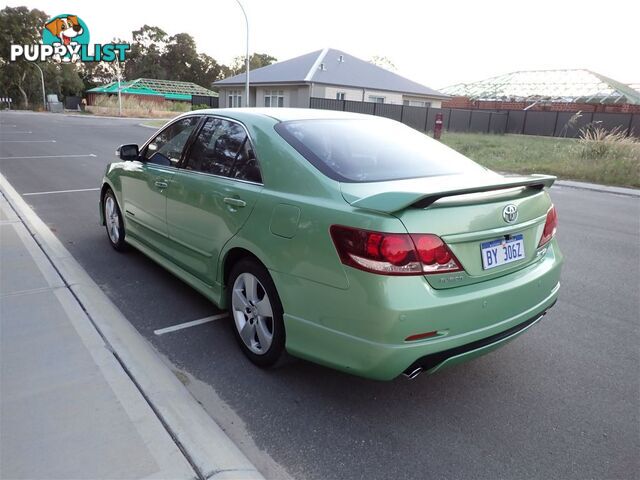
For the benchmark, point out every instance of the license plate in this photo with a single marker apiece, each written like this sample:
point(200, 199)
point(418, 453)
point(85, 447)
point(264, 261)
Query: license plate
point(502, 251)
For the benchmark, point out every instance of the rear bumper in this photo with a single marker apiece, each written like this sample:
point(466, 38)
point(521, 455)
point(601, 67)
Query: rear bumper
point(436, 361)
point(362, 330)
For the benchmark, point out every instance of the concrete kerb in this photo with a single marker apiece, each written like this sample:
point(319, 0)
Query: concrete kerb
point(204, 443)
point(595, 187)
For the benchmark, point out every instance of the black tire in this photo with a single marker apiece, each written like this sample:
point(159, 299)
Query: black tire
point(268, 357)
point(117, 243)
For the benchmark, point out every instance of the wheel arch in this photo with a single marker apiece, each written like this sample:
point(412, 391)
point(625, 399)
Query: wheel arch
point(233, 256)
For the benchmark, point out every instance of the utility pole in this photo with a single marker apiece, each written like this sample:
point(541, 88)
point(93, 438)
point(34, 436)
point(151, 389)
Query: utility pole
point(44, 95)
point(246, 84)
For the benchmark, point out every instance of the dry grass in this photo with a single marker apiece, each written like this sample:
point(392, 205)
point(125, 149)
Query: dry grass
point(599, 157)
point(137, 107)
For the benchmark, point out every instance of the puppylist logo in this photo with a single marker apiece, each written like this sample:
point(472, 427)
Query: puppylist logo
point(65, 38)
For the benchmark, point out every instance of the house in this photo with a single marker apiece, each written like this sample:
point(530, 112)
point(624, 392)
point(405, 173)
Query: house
point(565, 90)
point(151, 89)
point(327, 73)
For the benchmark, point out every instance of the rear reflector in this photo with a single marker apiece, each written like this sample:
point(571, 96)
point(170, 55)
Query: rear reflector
point(393, 253)
point(420, 336)
point(550, 226)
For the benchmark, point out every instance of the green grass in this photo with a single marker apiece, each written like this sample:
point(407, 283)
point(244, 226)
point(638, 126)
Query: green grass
point(605, 161)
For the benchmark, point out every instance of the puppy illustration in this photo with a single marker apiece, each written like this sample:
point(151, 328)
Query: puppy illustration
point(66, 29)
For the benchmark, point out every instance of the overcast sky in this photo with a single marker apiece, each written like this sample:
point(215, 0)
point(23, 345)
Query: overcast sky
point(436, 43)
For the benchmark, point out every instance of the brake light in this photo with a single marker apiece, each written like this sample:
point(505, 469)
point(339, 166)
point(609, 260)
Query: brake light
point(434, 254)
point(550, 226)
point(393, 253)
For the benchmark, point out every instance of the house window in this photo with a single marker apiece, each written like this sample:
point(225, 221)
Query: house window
point(235, 98)
point(274, 98)
point(416, 103)
point(340, 95)
point(373, 98)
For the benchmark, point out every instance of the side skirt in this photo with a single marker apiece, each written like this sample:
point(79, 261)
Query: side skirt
point(211, 292)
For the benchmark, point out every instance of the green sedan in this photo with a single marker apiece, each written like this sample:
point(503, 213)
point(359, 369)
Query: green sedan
point(348, 240)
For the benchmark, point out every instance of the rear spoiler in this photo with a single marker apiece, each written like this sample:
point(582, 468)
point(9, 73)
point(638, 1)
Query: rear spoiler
point(393, 201)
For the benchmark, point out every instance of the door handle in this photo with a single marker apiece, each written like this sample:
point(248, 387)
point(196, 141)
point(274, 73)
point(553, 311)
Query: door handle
point(234, 202)
point(161, 184)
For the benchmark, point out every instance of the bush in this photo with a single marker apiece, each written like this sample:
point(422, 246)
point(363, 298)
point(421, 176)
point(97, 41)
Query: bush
point(597, 143)
point(200, 106)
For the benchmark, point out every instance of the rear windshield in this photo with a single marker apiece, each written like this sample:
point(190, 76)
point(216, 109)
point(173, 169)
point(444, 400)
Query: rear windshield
point(363, 150)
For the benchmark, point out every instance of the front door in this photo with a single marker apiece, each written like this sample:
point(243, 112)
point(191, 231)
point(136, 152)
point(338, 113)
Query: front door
point(212, 196)
point(147, 181)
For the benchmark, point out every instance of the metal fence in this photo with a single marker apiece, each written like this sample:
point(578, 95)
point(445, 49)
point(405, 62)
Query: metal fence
point(212, 102)
point(525, 122)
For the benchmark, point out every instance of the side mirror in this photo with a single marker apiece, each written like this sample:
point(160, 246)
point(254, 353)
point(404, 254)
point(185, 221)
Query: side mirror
point(128, 152)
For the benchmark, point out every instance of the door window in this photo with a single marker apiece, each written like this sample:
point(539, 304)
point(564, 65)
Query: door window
point(223, 148)
point(166, 148)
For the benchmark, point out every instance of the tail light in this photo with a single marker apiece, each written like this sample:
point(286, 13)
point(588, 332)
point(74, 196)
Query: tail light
point(550, 226)
point(393, 253)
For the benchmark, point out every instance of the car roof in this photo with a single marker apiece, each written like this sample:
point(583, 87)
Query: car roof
point(282, 114)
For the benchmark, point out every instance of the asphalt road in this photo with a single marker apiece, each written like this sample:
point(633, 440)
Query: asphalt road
point(561, 402)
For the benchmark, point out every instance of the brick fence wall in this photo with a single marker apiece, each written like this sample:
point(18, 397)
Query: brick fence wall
point(466, 103)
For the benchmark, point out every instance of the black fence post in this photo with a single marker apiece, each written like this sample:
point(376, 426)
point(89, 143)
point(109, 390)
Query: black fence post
point(426, 121)
point(401, 113)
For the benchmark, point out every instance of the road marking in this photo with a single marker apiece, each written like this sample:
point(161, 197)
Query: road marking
point(5, 125)
point(193, 323)
point(50, 156)
point(18, 132)
point(27, 141)
point(62, 191)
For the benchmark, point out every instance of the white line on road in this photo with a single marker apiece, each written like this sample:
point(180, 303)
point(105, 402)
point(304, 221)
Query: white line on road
point(62, 191)
point(18, 132)
point(27, 141)
point(180, 326)
point(5, 125)
point(50, 156)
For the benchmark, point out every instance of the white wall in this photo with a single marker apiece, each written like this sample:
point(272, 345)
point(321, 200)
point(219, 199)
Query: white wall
point(289, 93)
point(356, 94)
point(389, 97)
point(436, 103)
point(329, 91)
point(298, 95)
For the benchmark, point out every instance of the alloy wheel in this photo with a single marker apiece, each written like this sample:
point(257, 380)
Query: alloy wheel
point(252, 313)
point(112, 218)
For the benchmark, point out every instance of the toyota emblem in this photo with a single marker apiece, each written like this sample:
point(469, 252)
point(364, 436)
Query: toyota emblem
point(510, 213)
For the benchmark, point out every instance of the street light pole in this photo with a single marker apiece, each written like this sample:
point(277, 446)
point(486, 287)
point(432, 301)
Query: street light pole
point(119, 89)
point(246, 84)
point(44, 95)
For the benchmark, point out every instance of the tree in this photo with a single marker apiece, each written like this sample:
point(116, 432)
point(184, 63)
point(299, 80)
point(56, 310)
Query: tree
point(257, 60)
point(145, 59)
point(18, 79)
point(209, 71)
point(181, 58)
point(94, 74)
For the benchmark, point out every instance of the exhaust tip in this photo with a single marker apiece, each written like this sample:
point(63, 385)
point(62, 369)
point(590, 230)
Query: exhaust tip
point(413, 373)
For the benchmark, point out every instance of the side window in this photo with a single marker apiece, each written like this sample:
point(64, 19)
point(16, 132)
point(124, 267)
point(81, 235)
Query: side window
point(246, 166)
point(166, 148)
point(220, 148)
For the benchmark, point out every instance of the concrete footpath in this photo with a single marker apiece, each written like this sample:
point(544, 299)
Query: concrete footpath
point(82, 394)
